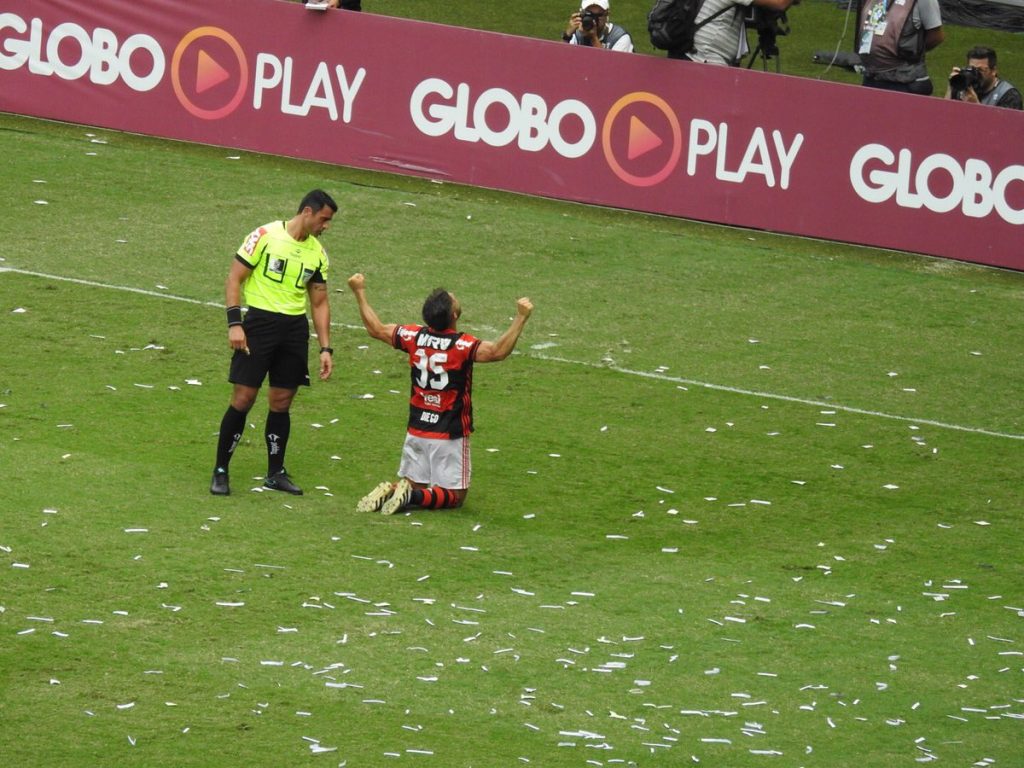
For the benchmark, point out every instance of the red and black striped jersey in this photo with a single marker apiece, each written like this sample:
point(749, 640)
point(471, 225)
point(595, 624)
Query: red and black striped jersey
point(441, 366)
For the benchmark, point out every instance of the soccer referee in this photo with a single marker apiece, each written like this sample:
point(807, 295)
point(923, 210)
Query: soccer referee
point(277, 267)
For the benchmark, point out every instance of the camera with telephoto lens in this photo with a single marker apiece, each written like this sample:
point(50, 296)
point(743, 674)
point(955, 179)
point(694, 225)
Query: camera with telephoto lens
point(968, 77)
point(588, 19)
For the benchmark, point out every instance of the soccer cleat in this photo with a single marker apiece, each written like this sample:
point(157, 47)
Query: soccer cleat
point(375, 499)
point(279, 481)
point(398, 500)
point(219, 485)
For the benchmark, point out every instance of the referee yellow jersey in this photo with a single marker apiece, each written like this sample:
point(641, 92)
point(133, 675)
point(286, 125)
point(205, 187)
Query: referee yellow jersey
point(282, 268)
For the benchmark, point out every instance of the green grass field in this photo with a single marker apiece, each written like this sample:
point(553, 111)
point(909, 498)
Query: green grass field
point(739, 499)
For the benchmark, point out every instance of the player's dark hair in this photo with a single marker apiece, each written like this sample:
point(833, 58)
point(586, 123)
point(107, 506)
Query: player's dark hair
point(316, 200)
point(983, 52)
point(437, 310)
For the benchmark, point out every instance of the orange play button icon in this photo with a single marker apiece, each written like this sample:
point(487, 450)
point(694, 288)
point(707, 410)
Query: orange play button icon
point(209, 73)
point(641, 139)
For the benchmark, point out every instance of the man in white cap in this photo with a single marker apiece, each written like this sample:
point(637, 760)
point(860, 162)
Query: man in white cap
point(590, 26)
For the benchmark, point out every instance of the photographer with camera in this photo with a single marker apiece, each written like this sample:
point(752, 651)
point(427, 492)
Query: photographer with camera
point(720, 36)
point(590, 26)
point(893, 39)
point(979, 82)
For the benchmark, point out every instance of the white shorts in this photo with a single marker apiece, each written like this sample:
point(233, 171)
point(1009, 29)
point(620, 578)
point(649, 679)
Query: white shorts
point(436, 462)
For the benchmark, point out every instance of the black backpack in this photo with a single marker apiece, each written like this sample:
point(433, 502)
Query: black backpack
point(672, 23)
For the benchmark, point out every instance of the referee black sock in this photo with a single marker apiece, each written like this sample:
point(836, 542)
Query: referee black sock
point(279, 424)
point(232, 426)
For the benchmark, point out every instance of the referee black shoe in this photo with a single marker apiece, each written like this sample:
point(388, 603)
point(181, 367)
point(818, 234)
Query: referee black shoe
point(279, 481)
point(219, 485)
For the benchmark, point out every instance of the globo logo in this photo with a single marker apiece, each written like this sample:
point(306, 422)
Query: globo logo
point(497, 117)
point(937, 182)
point(71, 52)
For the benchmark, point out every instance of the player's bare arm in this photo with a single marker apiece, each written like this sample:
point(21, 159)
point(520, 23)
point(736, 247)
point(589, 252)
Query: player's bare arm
point(374, 327)
point(495, 351)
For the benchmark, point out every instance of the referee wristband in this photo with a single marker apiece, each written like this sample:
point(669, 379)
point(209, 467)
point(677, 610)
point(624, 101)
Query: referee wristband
point(328, 350)
point(234, 316)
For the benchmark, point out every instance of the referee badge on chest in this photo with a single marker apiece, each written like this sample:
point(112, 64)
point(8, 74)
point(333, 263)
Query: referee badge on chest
point(275, 269)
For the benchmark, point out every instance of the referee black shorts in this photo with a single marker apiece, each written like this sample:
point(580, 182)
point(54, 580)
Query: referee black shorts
point(278, 346)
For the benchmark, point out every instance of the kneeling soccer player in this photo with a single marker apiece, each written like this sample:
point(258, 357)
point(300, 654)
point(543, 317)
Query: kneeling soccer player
point(435, 469)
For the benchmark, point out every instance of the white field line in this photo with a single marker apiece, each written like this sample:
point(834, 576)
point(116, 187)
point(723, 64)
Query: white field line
point(785, 398)
point(555, 359)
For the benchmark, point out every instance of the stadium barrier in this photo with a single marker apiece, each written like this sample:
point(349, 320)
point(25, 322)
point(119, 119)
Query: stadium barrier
point(734, 146)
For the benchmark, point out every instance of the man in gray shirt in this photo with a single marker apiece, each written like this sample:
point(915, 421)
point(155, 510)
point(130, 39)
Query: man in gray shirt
point(722, 39)
point(892, 39)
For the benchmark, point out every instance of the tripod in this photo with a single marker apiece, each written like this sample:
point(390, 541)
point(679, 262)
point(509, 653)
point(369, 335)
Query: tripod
point(766, 50)
point(769, 25)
